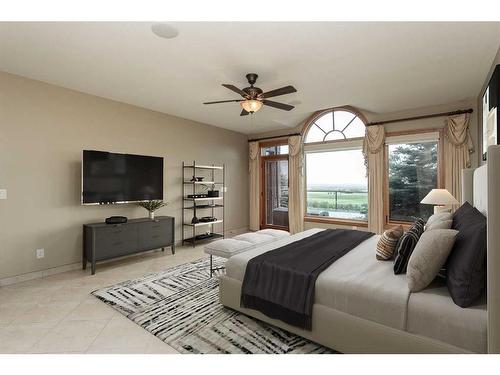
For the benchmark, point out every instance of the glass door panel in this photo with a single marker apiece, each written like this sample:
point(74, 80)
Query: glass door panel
point(275, 193)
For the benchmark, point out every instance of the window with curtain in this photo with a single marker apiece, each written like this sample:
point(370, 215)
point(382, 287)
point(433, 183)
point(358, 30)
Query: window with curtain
point(336, 183)
point(412, 173)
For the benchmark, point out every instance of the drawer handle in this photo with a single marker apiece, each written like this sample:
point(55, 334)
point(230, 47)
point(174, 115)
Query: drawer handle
point(156, 236)
point(156, 226)
point(117, 243)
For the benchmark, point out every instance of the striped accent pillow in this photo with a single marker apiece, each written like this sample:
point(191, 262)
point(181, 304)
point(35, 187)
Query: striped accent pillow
point(387, 243)
point(406, 245)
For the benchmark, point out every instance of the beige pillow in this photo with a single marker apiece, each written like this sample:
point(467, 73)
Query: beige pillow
point(439, 224)
point(387, 243)
point(439, 216)
point(428, 257)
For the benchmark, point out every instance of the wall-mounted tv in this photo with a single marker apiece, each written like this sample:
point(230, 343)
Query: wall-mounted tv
point(109, 177)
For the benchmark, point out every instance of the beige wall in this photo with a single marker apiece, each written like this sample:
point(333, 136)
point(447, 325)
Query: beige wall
point(43, 130)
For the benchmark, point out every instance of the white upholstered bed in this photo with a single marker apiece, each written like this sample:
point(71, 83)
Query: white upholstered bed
point(362, 307)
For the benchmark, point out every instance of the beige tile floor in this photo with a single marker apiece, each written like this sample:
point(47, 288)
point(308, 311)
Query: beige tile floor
point(57, 314)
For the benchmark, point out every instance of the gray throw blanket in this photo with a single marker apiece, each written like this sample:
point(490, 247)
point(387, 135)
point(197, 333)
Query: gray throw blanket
point(280, 283)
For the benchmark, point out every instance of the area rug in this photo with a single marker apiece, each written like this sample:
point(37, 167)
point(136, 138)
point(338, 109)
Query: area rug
point(181, 307)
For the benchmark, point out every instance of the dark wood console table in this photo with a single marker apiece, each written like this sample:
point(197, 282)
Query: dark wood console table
point(106, 241)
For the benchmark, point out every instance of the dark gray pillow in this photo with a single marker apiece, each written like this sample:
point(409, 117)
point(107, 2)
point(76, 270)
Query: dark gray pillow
point(466, 265)
point(405, 246)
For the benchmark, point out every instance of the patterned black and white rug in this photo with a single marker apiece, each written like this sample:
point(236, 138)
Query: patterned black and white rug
point(181, 307)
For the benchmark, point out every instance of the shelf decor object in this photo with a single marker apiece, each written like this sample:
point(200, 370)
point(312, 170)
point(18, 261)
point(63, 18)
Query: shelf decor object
point(209, 182)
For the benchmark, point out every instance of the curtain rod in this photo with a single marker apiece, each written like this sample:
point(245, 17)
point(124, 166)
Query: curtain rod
point(453, 113)
point(275, 137)
point(459, 112)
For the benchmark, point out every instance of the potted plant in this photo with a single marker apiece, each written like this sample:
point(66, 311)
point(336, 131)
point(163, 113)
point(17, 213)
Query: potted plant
point(152, 206)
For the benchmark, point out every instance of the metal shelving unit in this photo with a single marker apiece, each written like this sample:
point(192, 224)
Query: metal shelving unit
point(190, 206)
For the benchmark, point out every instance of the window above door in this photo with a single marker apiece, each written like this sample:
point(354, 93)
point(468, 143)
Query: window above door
point(274, 150)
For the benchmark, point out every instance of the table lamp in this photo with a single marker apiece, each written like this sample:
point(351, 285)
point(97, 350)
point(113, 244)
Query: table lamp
point(440, 198)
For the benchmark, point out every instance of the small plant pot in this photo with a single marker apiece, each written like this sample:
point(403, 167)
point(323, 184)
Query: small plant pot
point(213, 193)
point(152, 215)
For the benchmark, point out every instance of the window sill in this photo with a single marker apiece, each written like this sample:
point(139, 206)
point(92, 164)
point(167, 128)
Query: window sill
point(405, 224)
point(329, 220)
point(272, 226)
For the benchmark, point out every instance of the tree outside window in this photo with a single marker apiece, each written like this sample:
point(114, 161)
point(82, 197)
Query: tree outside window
point(413, 172)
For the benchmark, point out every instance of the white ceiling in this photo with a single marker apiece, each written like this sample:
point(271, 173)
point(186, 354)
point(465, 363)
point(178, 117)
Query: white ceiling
point(379, 67)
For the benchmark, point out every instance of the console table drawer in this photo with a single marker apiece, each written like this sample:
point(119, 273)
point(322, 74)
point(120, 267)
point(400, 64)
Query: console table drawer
point(155, 234)
point(115, 241)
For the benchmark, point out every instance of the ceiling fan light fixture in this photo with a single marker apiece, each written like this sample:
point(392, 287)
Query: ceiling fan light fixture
point(251, 105)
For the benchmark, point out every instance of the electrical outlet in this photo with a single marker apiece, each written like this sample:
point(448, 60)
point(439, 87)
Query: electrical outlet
point(40, 253)
point(3, 193)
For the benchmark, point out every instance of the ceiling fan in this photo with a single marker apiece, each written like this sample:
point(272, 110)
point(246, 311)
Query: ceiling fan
point(254, 97)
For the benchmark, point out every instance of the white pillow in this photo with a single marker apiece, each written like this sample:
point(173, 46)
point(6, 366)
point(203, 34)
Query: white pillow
point(428, 257)
point(440, 216)
point(439, 224)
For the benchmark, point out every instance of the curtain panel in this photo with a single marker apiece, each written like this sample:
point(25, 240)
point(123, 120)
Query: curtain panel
point(373, 151)
point(253, 178)
point(296, 202)
point(457, 149)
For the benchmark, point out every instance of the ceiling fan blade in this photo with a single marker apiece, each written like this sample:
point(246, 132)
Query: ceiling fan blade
point(285, 107)
point(243, 113)
point(235, 89)
point(280, 91)
point(224, 101)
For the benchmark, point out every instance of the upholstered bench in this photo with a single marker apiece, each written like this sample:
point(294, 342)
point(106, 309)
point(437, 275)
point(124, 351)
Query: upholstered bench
point(228, 247)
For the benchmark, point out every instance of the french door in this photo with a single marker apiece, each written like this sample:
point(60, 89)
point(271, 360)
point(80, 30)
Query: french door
point(274, 192)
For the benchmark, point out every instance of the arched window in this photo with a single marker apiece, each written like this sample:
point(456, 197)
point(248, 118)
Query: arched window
point(337, 187)
point(334, 124)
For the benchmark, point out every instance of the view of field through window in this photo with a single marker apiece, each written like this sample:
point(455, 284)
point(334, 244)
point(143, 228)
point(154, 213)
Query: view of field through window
point(337, 186)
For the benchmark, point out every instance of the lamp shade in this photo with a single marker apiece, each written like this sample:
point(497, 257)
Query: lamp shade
point(251, 105)
point(439, 197)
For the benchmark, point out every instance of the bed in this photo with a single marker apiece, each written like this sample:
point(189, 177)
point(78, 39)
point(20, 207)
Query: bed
point(360, 306)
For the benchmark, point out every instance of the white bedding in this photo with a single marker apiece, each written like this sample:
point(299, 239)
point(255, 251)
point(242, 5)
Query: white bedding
point(433, 314)
point(362, 286)
point(352, 284)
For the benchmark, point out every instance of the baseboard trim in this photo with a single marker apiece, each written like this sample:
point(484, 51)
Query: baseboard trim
point(75, 266)
point(39, 274)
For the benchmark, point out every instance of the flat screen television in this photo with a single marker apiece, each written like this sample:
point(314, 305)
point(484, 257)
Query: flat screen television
point(109, 177)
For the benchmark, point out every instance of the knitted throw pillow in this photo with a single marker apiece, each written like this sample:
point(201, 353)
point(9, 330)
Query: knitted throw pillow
point(386, 246)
